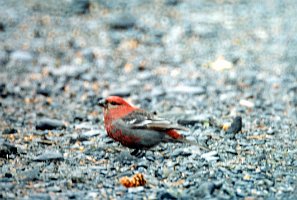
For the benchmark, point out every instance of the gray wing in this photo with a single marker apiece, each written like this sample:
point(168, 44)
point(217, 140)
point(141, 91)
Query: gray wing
point(140, 119)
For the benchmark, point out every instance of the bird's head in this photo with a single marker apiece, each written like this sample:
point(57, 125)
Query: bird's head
point(115, 107)
point(113, 102)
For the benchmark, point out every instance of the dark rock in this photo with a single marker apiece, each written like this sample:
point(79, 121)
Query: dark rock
point(164, 195)
point(49, 156)
point(37, 34)
point(81, 7)
point(7, 149)
point(49, 124)
point(171, 2)
point(2, 27)
point(10, 131)
point(3, 91)
point(78, 117)
point(194, 120)
point(8, 175)
point(44, 91)
point(235, 126)
point(123, 21)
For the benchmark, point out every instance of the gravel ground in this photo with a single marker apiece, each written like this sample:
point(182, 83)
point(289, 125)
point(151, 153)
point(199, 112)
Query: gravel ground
point(195, 62)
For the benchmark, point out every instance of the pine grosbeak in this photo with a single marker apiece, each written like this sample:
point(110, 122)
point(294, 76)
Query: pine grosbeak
point(136, 128)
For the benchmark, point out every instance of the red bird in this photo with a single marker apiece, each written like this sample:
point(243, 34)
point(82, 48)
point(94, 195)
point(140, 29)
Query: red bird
point(136, 128)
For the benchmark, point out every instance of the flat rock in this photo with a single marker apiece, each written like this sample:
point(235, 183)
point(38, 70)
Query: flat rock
point(125, 92)
point(40, 196)
point(49, 156)
point(192, 120)
point(86, 135)
point(123, 21)
point(181, 152)
point(210, 156)
point(49, 124)
point(187, 90)
point(30, 175)
point(68, 70)
point(21, 56)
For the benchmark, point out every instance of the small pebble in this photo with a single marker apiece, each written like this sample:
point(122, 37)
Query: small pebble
point(236, 126)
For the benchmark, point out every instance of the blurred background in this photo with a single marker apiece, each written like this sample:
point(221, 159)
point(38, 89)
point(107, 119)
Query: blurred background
point(148, 47)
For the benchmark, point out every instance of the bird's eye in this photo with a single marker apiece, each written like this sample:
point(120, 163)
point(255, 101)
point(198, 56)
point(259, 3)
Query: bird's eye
point(113, 103)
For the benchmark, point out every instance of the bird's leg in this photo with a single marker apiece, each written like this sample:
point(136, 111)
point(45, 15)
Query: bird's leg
point(135, 151)
point(138, 153)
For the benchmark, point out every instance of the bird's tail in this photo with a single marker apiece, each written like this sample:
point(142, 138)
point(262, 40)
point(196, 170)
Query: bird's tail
point(177, 137)
point(191, 142)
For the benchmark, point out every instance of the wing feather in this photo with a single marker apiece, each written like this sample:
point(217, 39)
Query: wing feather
point(140, 119)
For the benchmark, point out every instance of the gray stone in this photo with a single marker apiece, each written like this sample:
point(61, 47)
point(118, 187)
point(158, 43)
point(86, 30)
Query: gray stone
point(49, 156)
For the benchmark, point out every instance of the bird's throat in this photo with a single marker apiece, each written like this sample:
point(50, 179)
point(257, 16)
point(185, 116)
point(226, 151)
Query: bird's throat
point(116, 113)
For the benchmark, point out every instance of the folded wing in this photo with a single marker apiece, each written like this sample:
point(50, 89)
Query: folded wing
point(140, 119)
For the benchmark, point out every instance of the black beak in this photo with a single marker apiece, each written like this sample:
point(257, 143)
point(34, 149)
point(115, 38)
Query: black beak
point(102, 103)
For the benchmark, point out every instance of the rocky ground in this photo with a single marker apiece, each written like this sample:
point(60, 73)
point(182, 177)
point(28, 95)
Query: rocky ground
point(194, 62)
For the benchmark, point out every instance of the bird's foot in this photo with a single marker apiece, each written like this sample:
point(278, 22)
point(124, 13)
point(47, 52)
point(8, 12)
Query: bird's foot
point(137, 153)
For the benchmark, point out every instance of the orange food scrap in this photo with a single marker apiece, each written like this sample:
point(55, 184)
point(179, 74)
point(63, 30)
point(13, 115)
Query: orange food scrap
point(135, 181)
point(225, 127)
